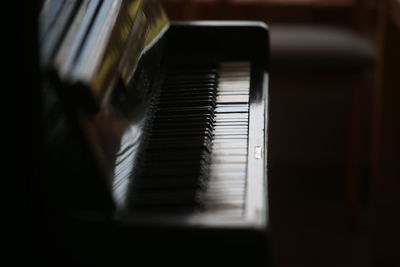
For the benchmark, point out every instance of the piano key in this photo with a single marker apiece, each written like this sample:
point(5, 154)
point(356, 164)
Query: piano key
point(239, 77)
point(233, 99)
point(232, 202)
point(226, 184)
point(232, 177)
point(230, 159)
point(222, 109)
point(200, 111)
point(226, 212)
point(230, 124)
point(221, 171)
point(225, 198)
point(233, 144)
point(230, 191)
point(192, 71)
point(237, 115)
point(191, 77)
point(229, 127)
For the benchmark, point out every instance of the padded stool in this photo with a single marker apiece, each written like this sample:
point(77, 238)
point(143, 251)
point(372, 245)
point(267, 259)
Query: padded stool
point(310, 46)
point(323, 48)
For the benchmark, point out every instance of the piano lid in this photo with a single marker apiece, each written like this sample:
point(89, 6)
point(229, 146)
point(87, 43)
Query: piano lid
point(93, 43)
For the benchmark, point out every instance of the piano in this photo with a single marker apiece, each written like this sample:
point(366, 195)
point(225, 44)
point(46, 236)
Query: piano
point(155, 135)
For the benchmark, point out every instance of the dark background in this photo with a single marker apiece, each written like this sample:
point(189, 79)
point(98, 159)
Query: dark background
point(315, 220)
point(333, 150)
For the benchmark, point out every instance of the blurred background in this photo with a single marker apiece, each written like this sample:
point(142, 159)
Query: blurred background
point(333, 125)
point(334, 150)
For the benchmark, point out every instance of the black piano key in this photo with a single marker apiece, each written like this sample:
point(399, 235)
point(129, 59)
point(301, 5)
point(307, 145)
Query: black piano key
point(189, 91)
point(205, 101)
point(192, 113)
point(173, 156)
point(189, 85)
point(174, 162)
point(191, 77)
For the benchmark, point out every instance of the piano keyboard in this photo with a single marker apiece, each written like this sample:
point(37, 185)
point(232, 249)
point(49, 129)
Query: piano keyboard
point(195, 158)
point(162, 155)
point(225, 192)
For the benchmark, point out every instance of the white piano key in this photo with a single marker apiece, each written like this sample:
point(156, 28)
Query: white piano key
point(233, 115)
point(225, 193)
point(230, 159)
point(231, 122)
point(222, 109)
point(231, 202)
point(231, 191)
point(229, 93)
point(228, 183)
point(231, 152)
point(233, 99)
point(236, 136)
point(222, 132)
point(225, 167)
point(239, 135)
point(230, 126)
point(239, 145)
point(226, 212)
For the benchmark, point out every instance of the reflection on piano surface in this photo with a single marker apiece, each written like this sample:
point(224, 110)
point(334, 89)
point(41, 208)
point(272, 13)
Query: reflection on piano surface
point(155, 133)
